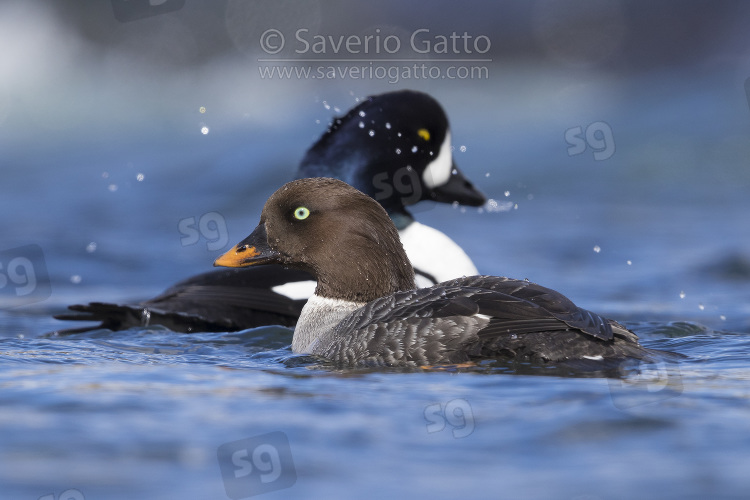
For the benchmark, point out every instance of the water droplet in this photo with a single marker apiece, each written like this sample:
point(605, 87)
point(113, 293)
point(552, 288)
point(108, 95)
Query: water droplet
point(414, 149)
point(362, 114)
point(462, 149)
point(204, 130)
point(507, 193)
point(492, 205)
point(682, 295)
point(723, 318)
point(387, 125)
point(139, 177)
point(399, 134)
point(202, 109)
point(105, 175)
point(91, 247)
point(630, 262)
point(112, 187)
point(701, 307)
point(326, 105)
point(371, 133)
point(75, 279)
point(487, 174)
point(597, 248)
point(361, 124)
point(398, 151)
point(145, 317)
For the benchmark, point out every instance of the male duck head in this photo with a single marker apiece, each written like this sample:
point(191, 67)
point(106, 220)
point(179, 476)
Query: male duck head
point(395, 147)
point(335, 232)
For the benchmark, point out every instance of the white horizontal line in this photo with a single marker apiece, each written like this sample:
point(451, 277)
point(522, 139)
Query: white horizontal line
point(374, 60)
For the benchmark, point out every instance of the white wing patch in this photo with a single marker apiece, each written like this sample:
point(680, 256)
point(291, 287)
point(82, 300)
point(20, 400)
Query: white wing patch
point(296, 290)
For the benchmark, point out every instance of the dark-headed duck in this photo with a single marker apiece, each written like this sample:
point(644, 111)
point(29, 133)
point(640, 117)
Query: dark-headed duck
point(366, 309)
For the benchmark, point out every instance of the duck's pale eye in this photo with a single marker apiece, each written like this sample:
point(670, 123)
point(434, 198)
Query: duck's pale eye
point(301, 213)
point(424, 134)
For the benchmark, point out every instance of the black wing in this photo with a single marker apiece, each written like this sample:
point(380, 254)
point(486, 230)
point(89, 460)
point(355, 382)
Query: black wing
point(223, 300)
point(551, 305)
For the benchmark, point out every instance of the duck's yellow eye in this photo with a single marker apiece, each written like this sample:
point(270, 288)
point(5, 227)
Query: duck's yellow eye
point(424, 134)
point(301, 213)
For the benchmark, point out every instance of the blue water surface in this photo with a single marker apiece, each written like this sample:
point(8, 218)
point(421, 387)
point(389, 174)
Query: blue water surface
point(115, 136)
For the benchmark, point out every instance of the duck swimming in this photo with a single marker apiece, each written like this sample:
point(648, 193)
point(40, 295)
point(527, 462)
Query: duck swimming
point(395, 147)
point(366, 309)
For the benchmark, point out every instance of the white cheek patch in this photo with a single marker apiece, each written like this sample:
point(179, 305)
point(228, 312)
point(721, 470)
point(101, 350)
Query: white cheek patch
point(439, 170)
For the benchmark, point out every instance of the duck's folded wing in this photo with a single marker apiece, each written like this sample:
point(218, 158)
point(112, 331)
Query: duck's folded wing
point(456, 321)
point(225, 300)
point(551, 303)
point(432, 325)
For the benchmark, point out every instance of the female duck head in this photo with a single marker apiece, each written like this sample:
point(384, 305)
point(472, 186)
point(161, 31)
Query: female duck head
point(330, 229)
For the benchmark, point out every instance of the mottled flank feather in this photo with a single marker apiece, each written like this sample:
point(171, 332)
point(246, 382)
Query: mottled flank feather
point(474, 318)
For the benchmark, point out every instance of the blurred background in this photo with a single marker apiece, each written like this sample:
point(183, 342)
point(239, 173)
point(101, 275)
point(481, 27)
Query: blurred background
point(138, 141)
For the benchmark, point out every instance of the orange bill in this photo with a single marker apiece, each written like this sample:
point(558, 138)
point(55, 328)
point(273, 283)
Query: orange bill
point(237, 257)
point(253, 250)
